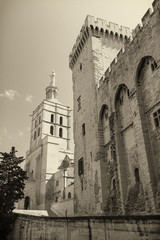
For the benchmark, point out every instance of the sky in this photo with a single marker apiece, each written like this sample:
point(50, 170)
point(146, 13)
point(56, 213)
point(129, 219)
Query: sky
point(36, 37)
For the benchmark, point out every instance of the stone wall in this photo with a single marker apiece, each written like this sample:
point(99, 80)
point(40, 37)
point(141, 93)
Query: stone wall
point(86, 228)
point(120, 147)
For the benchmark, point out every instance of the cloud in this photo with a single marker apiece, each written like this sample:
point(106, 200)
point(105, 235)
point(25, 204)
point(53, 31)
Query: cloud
point(6, 133)
point(21, 133)
point(29, 98)
point(10, 94)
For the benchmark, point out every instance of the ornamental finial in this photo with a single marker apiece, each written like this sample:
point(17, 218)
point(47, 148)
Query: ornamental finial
point(52, 76)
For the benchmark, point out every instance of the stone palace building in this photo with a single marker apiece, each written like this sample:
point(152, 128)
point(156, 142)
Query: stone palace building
point(116, 91)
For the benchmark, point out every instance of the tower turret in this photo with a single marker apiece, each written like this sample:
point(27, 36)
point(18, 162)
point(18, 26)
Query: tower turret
point(96, 46)
point(52, 90)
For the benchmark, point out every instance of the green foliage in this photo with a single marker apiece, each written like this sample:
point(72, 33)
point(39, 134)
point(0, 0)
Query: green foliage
point(12, 178)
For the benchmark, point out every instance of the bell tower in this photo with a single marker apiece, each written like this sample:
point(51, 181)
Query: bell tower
point(49, 142)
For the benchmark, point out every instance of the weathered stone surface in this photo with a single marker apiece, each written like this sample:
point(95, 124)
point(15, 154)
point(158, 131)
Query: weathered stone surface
point(117, 80)
point(86, 228)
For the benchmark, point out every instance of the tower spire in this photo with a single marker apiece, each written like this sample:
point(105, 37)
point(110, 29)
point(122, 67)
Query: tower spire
point(52, 90)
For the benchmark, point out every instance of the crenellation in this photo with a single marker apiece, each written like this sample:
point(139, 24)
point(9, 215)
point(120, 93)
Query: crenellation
point(100, 28)
point(145, 19)
point(114, 26)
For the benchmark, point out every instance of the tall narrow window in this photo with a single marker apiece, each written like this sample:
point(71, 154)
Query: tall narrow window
point(61, 121)
point(51, 130)
point(39, 119)
point(35, 123)
point(80, 66)
point(136, 173)
point(80, 167)
point(38, 131)
point(83, 129)
point(27, 203)
point(60, 132)
point(52, 118)
point(34, 135)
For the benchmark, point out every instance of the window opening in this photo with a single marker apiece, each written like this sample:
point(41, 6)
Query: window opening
point(38, 131)
point(136, 173)
point(61, 120)
point(80, 66)
point(80, 167)
point(34, 135)
point(60, 132)
point(52, 118)
point(69, 195)
point(27, 202)
point(83, 129)
point(57, 183)
point(39, 119)
point(51, 130)
point(156, 117)
point(35, 123)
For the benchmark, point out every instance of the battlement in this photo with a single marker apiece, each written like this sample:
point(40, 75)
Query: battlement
point(100, 28)
point(145, 20)
point(102, 25)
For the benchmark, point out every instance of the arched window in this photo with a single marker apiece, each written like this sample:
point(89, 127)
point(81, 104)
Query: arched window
point(61, 121)
point(34, 135)
point(27, 202)
point(136, 174)
point(69, 195)
point(52, 118)
point(51, 130)
point(38, 131)
point(60, 132)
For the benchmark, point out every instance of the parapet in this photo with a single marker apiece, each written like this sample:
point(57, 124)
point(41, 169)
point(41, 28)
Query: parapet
point(100, 28)
point(145, 20)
